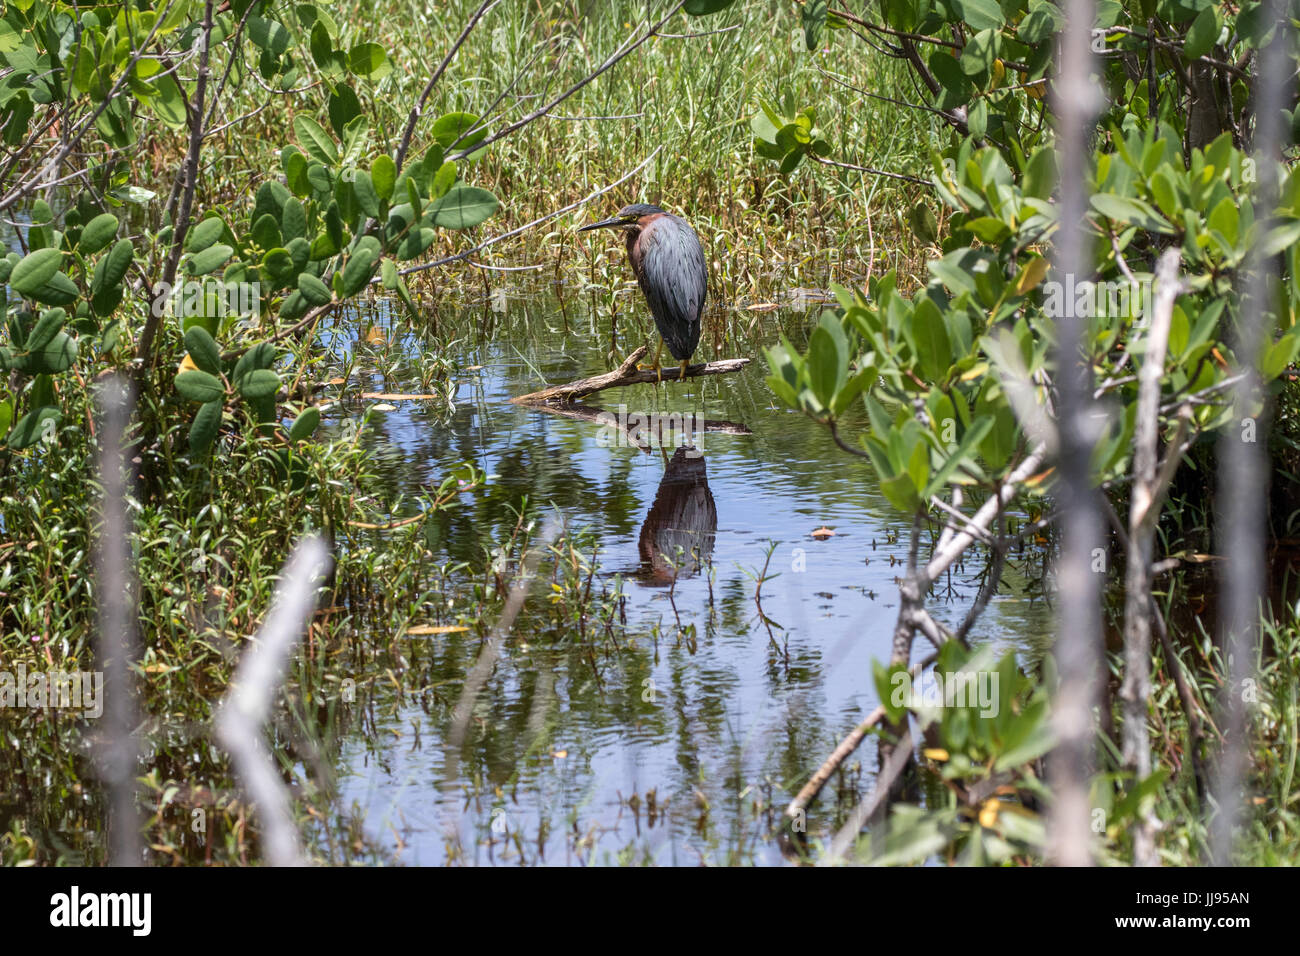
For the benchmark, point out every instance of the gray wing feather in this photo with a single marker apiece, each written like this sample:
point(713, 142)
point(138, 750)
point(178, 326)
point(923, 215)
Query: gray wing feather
point(674, 279)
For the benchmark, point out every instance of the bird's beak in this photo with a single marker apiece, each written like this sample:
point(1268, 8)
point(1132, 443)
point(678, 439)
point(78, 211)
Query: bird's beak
point(604, 224)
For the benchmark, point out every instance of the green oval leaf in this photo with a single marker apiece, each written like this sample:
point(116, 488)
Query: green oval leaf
point(60, 290)
point(702, 8)
point(203, 430)
point(98, 233)
point(33, 426)
point(315, 141)
point(383, 173)
point(463, 207)
point(453, 129)
point(203, 349)
point(305, 424)
point(357, 273)
point(204, 234)
point(278, 263)
point(34, 270)
point(363, 188)
point(198, 386)
point(369, 60)
point(293, 307)
point(293, 221)
point(1202, 34)
point(57, 355)
point(259, 383)
point(261, 355)
point(209, 260)
point(314, 290)
point(48, 326)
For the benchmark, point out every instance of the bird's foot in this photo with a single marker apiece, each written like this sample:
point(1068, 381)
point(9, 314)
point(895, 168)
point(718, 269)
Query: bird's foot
point(656, 368)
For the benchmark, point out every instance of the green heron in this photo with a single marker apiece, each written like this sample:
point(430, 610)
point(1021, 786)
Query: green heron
point(669, 265)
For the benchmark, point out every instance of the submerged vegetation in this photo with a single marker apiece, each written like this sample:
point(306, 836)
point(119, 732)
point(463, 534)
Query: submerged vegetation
point(286, 226)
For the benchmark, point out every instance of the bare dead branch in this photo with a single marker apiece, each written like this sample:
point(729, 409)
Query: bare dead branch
point(246, 707)
point(1144, 512)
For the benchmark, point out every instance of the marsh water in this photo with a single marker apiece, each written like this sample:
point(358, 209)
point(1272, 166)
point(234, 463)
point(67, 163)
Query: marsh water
point(680, 737)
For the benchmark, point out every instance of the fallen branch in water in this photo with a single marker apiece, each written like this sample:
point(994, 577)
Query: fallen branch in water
point(625, 374)
point(799, 805)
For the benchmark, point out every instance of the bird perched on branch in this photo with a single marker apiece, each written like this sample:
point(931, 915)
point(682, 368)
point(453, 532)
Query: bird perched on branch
point(669, 263)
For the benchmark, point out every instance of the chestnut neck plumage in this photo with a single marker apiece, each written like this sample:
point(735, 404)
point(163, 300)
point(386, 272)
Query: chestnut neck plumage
point(634, 236)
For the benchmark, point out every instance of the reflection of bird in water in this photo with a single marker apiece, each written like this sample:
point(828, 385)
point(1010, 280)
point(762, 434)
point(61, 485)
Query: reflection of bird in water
point(669, 264)
point(683, 516)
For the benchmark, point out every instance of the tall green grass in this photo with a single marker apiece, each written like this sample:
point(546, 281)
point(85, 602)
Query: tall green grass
point(688, 98)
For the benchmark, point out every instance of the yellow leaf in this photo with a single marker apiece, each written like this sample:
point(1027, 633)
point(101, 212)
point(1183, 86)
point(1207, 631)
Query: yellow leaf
point(1033, 481)
point(1031, 275)
point(935, 753)
point(187, 365)
point(424, 629)
point(398, 397)
point(989, 813)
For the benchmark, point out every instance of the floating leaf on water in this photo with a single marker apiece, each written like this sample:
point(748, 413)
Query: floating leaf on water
point(395, 397)
point(424, 630)
point(383, 407)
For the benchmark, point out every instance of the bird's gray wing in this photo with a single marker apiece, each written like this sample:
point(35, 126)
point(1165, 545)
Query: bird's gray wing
point(674, 279)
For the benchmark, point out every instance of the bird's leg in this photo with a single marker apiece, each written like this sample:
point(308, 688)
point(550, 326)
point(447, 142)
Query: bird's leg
point(658, 372)
point(681, 376)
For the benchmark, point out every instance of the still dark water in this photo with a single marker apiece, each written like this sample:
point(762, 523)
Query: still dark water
point(684, 743)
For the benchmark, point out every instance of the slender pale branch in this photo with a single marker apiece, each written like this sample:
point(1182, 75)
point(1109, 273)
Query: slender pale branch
point(246, 707)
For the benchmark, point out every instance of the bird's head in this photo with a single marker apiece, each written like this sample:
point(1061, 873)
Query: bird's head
point(629, 217)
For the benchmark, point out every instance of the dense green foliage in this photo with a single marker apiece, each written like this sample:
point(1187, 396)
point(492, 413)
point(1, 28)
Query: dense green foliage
point(344, 214)
point(959, 377)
